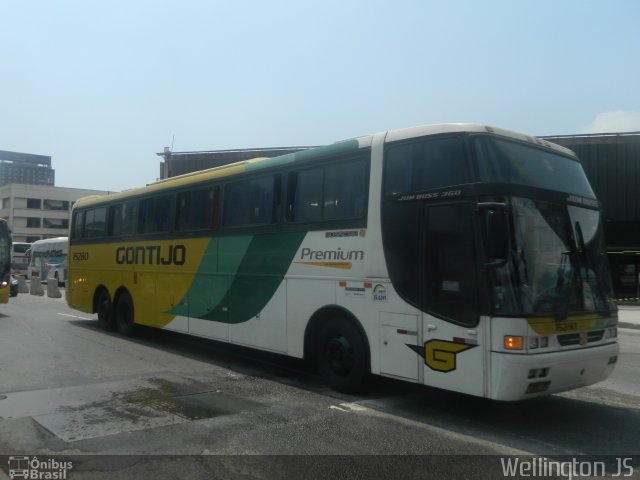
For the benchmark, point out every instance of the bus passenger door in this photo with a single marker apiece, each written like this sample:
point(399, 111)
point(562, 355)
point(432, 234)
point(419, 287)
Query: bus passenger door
point(453, 338)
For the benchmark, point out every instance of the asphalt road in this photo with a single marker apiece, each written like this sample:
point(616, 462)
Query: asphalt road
point(142, 407)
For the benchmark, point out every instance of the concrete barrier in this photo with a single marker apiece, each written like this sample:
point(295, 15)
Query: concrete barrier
point(22, 285)
point(53, 291)
point(36, 286)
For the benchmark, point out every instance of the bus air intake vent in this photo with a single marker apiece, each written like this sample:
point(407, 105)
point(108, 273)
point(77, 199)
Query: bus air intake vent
point(574, 338)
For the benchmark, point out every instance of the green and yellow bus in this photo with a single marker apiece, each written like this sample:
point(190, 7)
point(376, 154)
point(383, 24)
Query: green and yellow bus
point(459, 256)
point(5, 261)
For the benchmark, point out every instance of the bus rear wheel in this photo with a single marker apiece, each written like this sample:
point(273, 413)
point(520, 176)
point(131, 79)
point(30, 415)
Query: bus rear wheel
point(104, 308)
point(342, 356)
point(124, 315)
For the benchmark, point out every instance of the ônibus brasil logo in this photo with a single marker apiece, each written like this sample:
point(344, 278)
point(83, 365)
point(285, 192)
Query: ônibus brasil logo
point(35, 469)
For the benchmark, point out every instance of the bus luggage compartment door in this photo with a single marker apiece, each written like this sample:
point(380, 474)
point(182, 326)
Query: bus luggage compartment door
point(398, 333)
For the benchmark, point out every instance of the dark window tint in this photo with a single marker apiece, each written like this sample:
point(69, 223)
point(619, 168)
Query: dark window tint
point(450, 286)
point(124, 218)
point(334, 192)
point(21, 247)
point(345, 187)
point(155, 214)
point(196, 210)
point(77, 224)
point(33, 222)
point(34, 203)
point(305, 195)
point(5, 248)
point(251, 202)
point(504, 161)
point(94, 222)
point(425, 164)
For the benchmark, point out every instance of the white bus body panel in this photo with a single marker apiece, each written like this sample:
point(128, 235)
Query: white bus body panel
point(455, 356)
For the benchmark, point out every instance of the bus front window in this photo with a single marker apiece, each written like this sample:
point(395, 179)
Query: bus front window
point(555, 263)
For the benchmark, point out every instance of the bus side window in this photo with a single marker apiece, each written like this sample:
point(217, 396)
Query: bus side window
point(334, 192)
point(345, 188)
point(123, 219)
point(196, 209)
point(425, 164)
point(155, 214)
point(253, 201)
point(304, 195)
point(95, 222)
point(77, 224)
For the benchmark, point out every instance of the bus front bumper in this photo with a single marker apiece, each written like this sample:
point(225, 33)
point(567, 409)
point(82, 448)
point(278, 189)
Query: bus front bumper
point(522, 376)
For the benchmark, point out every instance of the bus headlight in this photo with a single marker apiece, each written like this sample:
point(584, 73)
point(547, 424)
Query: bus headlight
point(513, 342)
point(611, 332)
point(537, 342)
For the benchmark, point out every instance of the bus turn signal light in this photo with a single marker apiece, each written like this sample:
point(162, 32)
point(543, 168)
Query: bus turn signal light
point(512, 342)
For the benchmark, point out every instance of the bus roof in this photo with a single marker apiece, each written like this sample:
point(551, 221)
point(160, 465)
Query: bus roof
point(49, 241)
point(344, 146)
point(423, 130)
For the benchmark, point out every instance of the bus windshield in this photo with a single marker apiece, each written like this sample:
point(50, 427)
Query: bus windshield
point(511, 162)
point(555, 263)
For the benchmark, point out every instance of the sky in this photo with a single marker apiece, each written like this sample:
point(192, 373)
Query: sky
point(103, 86)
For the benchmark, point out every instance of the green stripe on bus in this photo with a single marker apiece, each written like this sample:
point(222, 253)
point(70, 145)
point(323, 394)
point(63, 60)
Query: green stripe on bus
point(215, 275)
point(262, 270)
point(346, 146)
point(236, 295)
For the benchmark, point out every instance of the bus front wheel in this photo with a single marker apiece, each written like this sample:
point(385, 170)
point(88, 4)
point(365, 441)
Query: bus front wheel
point(104, 308)
point(342, 356)
point(124, 315)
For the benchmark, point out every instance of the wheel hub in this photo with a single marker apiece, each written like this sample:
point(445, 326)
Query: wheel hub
point(340, 355)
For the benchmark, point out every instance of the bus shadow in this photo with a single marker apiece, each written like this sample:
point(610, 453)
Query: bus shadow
point(237, 358)
point(553, 425)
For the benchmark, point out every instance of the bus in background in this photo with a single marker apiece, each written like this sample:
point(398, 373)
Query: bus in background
point(5, 261)
point(19, 258)
point(48, 259)
point(463, 257)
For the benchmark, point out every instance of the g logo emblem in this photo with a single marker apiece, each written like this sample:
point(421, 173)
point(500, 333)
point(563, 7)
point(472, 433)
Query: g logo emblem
point(440, 355)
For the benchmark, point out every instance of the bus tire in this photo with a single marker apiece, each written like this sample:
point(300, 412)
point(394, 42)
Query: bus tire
point(342, 355)
point(124, 315)
point(104, 309)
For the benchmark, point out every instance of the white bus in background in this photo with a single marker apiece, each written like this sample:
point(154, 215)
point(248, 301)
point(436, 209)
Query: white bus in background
point(48, 259)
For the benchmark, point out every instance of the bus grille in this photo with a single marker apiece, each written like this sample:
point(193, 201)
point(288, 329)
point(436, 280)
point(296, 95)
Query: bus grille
point(574, 338)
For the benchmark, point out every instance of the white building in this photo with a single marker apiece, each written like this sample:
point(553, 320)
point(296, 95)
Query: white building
point(35, 212)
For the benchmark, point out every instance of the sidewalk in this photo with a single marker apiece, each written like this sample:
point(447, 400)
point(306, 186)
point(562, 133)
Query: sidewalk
point(629, 316)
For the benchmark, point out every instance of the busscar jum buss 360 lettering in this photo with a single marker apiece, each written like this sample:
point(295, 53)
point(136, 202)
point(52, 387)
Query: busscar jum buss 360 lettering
point(5, 261)
point(459, 256)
